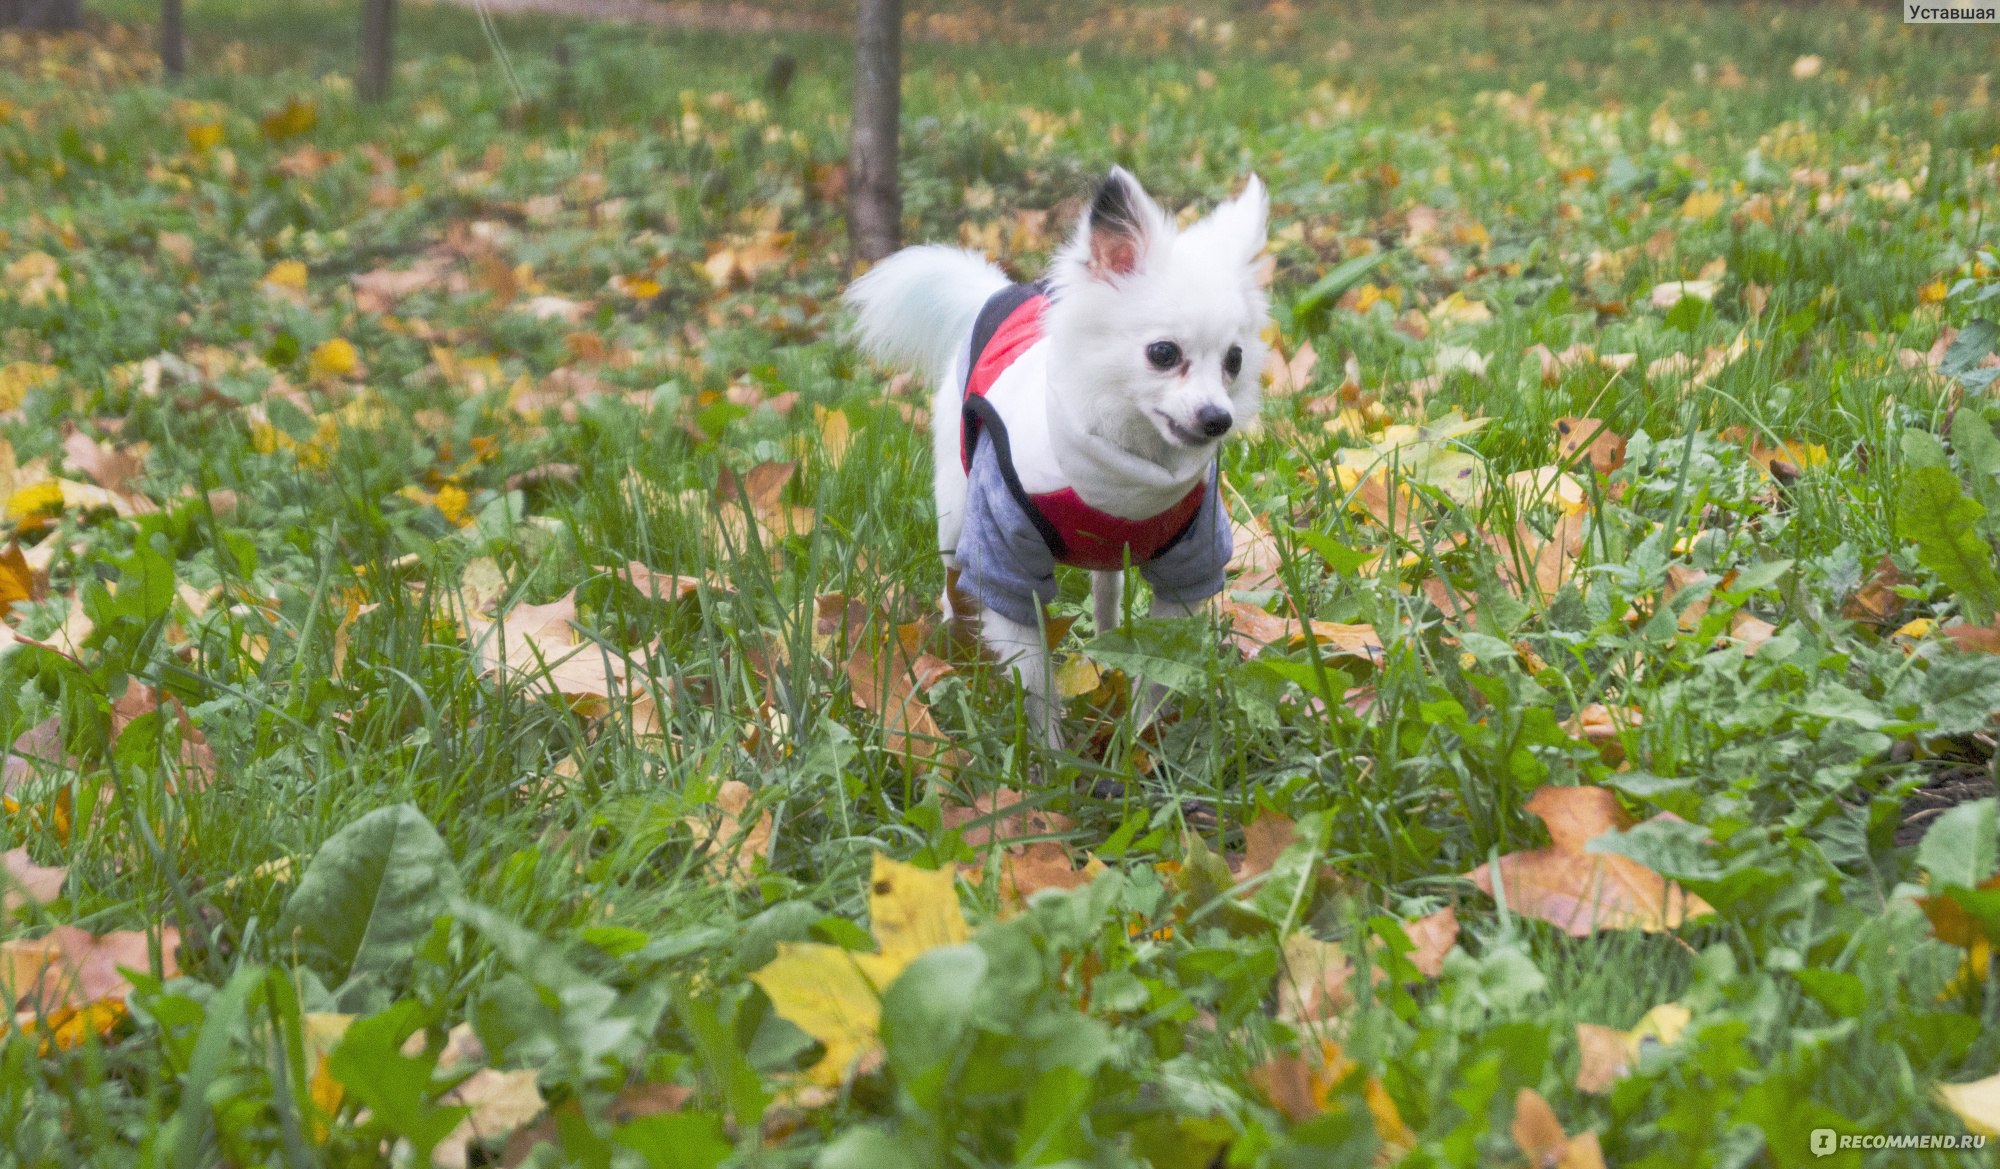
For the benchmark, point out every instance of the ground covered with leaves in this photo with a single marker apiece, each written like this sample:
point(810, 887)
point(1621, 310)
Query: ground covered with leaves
point(473, 682)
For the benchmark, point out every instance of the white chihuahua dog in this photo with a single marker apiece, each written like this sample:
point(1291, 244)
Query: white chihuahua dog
point(1076, 420)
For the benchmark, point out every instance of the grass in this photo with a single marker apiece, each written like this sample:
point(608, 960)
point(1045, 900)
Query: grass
point(317, 618)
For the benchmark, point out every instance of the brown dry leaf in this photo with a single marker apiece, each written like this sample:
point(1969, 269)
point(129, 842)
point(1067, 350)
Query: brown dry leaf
point(733, 846)
point(1602, 727)
point(763, 488)
point(1540, 1135)
point(1601, 448)
point(108, 466)
point(1876, 602)
point(1264, 840)
point(1004, 820)
point(70, 967)
point(379, 290)
point(500, 1103)
point(1253, 628)
point(667, 586)
point(1973, 638)
point(1255, 559)
point(196, 757)
point(1286, 376)
point(1580, 891)
point(1604, 1062)
point(1299, 1087)
point(882, 680)
point(541, 650)
point(1433, 935)
point(23, 882)
point(1313, 985)
point(1610, 1054)
point(1751, 632)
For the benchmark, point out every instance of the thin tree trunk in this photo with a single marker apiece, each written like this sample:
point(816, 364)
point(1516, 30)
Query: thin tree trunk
point(173, 39)
point(378, 33)
point(874, 198)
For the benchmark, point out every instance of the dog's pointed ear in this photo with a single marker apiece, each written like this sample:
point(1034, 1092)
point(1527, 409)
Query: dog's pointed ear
point(1246, 217)
point(1121, 222)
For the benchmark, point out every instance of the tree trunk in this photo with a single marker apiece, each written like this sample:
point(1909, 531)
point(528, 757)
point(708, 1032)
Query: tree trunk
point(874, 198)
point(378, 32)
point(44, 15)
point(173, 39)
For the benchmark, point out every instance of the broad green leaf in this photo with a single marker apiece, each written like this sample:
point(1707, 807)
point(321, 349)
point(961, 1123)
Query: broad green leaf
point(924, 1017)
point(1335, 284)
point(397, 1089)
point(369, 897)
point(1934, 510)
point(866, 1148)
point(1161, 652)
point(1962, 847)
point(1977, 339)
point(1979, 452)
point(676, 1140)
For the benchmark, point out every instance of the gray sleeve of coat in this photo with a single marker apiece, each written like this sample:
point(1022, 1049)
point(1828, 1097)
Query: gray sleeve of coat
point(1002, 559)
point(1192, 570)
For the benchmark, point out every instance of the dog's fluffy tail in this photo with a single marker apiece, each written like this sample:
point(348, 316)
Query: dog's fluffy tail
point(916, 308)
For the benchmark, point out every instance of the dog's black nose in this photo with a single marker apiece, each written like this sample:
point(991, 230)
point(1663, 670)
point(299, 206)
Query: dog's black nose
point(1214, 421)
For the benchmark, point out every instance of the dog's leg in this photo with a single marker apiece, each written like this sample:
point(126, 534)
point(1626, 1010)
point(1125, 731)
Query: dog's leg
point(1021, 648)
point(1107, 591)
point(947, 488)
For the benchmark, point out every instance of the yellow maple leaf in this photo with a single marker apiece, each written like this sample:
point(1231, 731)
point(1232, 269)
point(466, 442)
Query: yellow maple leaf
point(204, 136)
point(455, 504)
point(18, 377)
point(834, 994)
point(36, 503)
point(334, 358)
point(1701, 205)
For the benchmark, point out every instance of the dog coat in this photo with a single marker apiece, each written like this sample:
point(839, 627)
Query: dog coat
point(1022, 517)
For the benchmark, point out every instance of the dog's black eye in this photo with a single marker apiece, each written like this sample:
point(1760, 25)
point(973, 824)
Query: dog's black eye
point(1163, 354)
point(1232, 361)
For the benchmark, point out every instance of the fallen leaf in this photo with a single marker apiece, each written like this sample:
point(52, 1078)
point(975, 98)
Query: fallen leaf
point(1431, 937)
point(1603, 1058)
point(1610, 1054)
point(108, 466)
point(334, 358)
point(1876, 601)
point(1976, 1102)
point(1253, 628)
point(734, 846)
point(23, 882)
point(1601, 448)
point(1670, 293)
point(1284, 376)
point(1540, 1135)
point(834, 994)
point(285, 281)
point(500, 1102)
point(1580, 891)
point(1254, 558)
point(72, 967)
point(540, 650)
point(1312, 986)
point(1265, 838)
point(378, 291)
point(1299, 1087)
point(17, 580)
